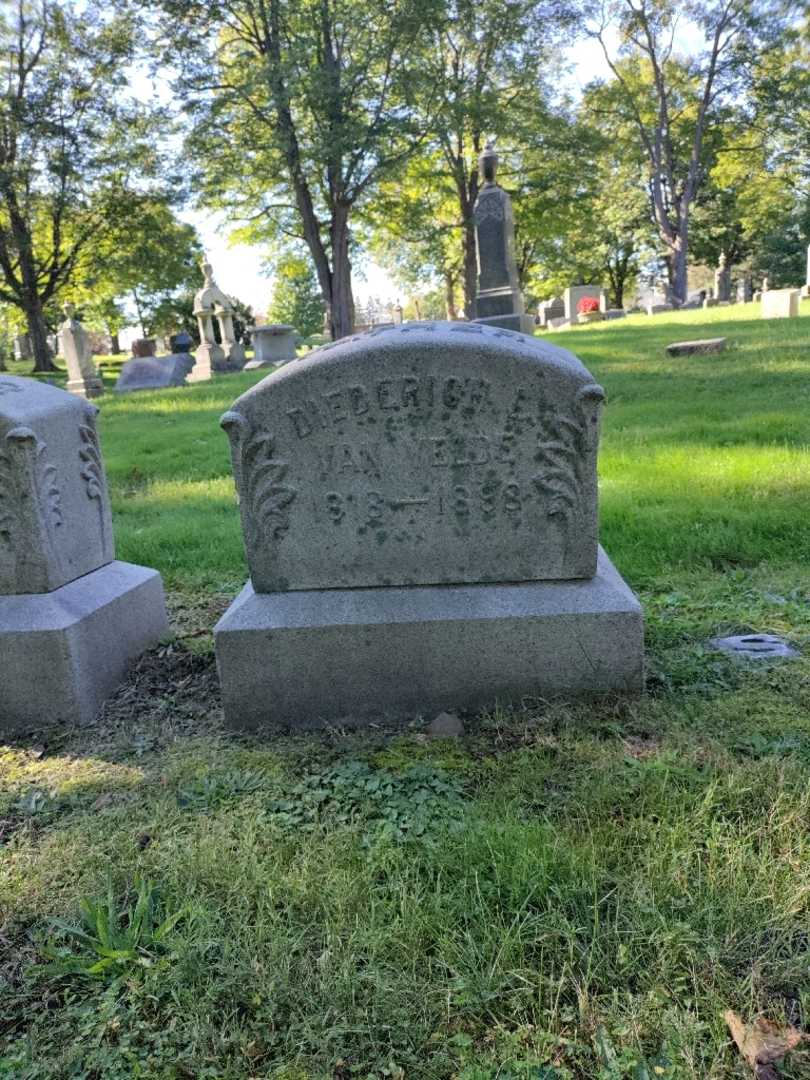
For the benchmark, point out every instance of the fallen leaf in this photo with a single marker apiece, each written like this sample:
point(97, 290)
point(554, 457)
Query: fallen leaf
point(762, 1043)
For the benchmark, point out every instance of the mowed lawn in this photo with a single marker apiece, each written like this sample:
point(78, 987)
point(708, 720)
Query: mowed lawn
point(569, 890)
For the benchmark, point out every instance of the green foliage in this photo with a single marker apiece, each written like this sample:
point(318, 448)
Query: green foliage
point(398, 806)
point(214, 789)
point(297, 300)
point(111, 943)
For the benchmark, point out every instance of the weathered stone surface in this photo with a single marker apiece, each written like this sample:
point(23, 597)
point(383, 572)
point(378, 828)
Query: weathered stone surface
point(573, 295)
point(499, 301)
point(351, 656)
point(694, 348)
point(780, 304)
point(558, 323)
point(212, 305)
point(154, 372)
point(64, 652)
point(754, 646)
point(426, 454)
point(74, 345)
point(446, 726)
point(551, 309)
point(614, 313)
point(55, 520)
point(272, 344)
point(658, 309)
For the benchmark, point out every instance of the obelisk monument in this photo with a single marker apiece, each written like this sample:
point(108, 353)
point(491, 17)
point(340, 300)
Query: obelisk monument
point(499, 301)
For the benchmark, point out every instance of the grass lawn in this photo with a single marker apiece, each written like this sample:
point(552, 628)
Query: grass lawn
point(567, 891)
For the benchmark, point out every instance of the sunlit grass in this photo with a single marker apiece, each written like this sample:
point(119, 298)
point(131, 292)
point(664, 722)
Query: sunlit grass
point(623, 872)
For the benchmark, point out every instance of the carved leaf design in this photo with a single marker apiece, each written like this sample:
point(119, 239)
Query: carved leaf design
point(48, 488)
point(90, 456)
point(267, 496)
point(563, 454)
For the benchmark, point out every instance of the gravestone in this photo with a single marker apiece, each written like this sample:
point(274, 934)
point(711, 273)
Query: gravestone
point(659, 309)
point(419, 509)
point(74, 345)
point(154, 372)
point(182, 342)
point(499, 301)
point(142, 347)
point(273, 344)
point(72, 618)
point(697, 348)
point(573, 295)
point(806, 286)
point(551, 309)
point(22, 347)
point(780, 304)
point(722, 279)
point(212, 305)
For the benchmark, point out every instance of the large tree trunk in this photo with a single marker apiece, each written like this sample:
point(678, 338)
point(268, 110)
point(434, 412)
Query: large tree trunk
point(678, 266)
point(470, 269)
point(38, 334)
point(341, 300)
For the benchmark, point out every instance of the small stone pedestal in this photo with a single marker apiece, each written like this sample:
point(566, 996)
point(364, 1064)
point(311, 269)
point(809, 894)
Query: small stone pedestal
point(71, 617)
point(273, 344)
point(351, 656)
point(64, 652)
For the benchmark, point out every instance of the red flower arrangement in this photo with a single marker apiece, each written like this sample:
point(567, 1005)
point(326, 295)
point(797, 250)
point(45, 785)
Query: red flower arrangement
point(587, 304)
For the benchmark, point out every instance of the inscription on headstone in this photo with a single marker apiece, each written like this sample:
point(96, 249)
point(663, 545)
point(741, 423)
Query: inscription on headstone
point(391, 461)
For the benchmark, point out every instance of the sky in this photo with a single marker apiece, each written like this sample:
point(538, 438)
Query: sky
point(238, 268)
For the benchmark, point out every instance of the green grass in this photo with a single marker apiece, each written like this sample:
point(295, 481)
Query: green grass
point(568, 891)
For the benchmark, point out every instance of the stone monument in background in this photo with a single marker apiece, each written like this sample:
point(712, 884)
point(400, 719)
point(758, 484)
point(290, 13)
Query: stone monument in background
point(806, 286)
point(419, 509)
point(722, 280)
point(72, 618)
point(273, 343)
point(210, 305)
point(74, 345)
point(499, 301)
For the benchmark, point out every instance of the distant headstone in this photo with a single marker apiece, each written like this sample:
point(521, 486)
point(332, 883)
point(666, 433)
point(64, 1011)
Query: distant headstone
point(575, 293)
point(182, 342)
point(144, 347)
point(780, 304)
point(154, 372)
point(696, 348)
point(273, 344)
point(499, 301)
point(419, 509)
point(551, 309)
point(22, 347)
point(658, 309)
point(806, 286)
point(614, 313)
point(210, 305)
point(710, 302)
point(722, 279)
point(71, 617)
point(74, 346)
point(398, 314)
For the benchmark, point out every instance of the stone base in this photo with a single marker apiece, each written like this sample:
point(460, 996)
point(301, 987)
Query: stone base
point(353, 656)
point(252, 365)
point(64, 652)
point(521, 324)
point(86, 388)
point(206, 358)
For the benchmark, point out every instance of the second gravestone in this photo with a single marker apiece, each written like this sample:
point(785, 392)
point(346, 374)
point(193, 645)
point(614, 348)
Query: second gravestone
point(419, 506)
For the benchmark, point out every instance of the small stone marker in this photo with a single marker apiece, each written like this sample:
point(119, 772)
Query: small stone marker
point(143, 347)
point(499, 301)
point(419, 508)
point(658, 309)
point(272, 344)
point(154, 372)
point(71, 617)
point(806, 286)
point(754, 646)
point(695, 348)
point(573, 295)
point(780, 304)
point(446, 726)
point(74, 345)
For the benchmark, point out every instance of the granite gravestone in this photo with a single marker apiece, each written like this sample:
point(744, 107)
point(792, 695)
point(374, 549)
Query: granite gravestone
point(780, 304)
point(154, 372)
point(74, 345)
point(805, 290)
point(419, 508)
point(499, 301)
point(273, 343)
point(71, 617)
point(722, 279)
point(575, 293)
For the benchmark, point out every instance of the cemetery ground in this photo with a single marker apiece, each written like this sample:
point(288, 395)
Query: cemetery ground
point(567, 890)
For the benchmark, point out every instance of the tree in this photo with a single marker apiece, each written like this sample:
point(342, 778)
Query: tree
point(672, 102)
point(315, 98)
point(64, 161)
point(143, 263)
point(297, 300)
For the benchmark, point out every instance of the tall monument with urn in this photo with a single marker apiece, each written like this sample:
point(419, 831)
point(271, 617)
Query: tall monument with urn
point(499, 301)
point(211, 304)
